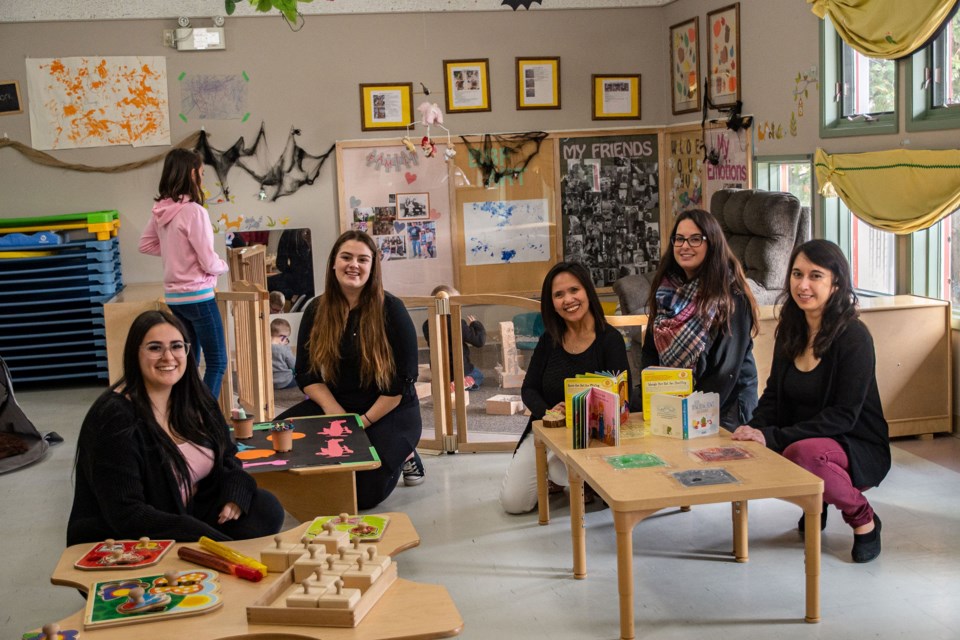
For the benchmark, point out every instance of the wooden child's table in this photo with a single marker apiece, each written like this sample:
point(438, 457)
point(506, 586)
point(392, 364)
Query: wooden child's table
point(635, 494)
point(408, 610)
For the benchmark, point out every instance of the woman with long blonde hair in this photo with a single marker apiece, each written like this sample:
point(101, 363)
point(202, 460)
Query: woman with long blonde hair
point(357, 353)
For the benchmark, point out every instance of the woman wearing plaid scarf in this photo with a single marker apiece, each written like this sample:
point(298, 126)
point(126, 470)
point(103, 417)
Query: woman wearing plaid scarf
point(704, 316)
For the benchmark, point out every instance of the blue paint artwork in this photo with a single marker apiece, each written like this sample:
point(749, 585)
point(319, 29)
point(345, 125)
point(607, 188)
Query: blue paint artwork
point(507, 256)
point(506, 232)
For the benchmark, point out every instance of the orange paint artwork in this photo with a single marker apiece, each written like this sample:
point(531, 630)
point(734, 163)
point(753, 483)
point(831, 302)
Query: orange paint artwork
point(89, 102)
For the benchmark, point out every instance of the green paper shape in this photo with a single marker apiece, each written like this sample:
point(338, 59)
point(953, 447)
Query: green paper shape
point(635, 461)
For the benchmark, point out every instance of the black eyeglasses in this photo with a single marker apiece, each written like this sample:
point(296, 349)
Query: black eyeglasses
point(694, 241)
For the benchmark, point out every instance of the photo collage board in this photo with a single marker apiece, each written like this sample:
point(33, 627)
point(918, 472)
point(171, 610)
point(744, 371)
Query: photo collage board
point(610, 194)
point(401, 199)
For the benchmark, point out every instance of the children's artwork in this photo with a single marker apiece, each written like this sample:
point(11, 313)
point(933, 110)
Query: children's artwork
point(635, 461)
point(685, 66)
point(367, 527)
point(98, 101)
point(684, 171)
point(506, 232)
point(702, 477)
point(723, 55)
point(721, 454)
point(214, 97)
point(123, 554)
point(149, 598)
point(611, 204)
point(317, 441)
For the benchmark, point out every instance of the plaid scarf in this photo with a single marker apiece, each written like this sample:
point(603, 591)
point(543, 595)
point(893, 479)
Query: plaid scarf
point(679, 329)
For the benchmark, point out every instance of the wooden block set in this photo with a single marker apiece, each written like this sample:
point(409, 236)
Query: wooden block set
point(328, 580)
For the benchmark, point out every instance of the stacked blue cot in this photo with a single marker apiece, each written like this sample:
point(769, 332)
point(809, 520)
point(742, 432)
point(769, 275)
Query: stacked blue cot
point(52, 295)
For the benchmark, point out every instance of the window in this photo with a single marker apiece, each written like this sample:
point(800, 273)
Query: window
point(933, 265)
point(859, 95)
point(871, 252)
point(933, 80)
point(793, 174)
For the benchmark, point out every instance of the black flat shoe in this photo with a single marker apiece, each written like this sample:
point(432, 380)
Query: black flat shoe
point(866, 546)
point(801, 523)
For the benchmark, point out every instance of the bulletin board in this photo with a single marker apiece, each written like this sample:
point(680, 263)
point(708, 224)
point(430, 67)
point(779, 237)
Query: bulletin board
point(684, 171)
point(401, 199)
point(611, 201)
point(505, 234)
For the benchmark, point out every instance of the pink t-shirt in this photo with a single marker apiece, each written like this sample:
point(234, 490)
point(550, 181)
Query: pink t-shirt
point(200, 462)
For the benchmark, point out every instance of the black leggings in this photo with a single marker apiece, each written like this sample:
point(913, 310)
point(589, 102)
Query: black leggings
point(264, 518)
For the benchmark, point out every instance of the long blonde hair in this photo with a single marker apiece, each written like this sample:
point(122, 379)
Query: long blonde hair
point(376, 358)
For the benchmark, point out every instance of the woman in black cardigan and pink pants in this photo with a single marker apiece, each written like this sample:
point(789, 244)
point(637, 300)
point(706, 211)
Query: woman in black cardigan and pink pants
point(821, 407)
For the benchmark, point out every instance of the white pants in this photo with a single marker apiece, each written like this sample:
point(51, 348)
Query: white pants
point(518, 493)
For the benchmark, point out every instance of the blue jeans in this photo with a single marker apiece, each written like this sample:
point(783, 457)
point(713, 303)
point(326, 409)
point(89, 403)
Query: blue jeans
point(477, 376)
point(203, 323)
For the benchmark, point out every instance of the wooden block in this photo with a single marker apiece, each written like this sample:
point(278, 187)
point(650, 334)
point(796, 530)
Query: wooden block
point(306, 595)
point(339, 597)
point(277, 556)
point(504, 405)
point(304, 566)
point(331, 539)
point(512, 380)
point(362, 576)
point(380, 561)
point(423, 390)
point(336, 567)
point(321, 578)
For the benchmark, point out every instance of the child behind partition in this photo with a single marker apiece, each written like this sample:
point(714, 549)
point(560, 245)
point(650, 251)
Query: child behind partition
point(283, 360)
point(474, 334)
point(278, 302)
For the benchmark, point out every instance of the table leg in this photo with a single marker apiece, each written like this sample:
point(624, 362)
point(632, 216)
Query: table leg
point(543, 504)
point(740, 530)
point(624, 522)
point(811, 551)
point(576, 526)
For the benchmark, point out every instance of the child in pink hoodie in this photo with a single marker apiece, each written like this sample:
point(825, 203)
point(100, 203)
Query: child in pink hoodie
point(179, 231)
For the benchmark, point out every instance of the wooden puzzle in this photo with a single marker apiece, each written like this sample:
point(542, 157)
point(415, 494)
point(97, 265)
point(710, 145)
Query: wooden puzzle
point(326, 581)
point(123, 554)
point(367, 528)
point(143, 599)
point(52, 631)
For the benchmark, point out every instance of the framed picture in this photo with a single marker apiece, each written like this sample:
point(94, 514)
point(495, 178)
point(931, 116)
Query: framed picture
point(538, 83)
point(10, 98)
point(616, 97)
point(723, 55)
point(386, 106)
point(467, 85)
point(413, 206)
point(685, 66)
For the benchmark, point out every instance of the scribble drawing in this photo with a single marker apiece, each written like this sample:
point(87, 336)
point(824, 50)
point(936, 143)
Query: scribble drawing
point(214, 97)
point(96, 102)
point(506, 232)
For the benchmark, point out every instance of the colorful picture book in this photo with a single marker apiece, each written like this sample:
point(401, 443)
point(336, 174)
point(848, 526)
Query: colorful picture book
point(693, 416)
point(678, 382)
point(596, 416)
point(609, 381)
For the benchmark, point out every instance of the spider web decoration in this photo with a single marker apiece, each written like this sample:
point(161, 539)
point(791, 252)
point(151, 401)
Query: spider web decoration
point(516, 4)
point(511, 146)
point(293, 169)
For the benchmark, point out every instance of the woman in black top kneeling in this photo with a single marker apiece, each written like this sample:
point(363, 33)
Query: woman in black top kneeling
point(821, 407)
point(357, 353)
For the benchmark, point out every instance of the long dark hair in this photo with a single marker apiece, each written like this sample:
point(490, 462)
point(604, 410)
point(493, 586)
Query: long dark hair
point(330, 322)
point(721, 274)
point(193, 412)
point(840, 310)
point(180, 176)
point(553, 324)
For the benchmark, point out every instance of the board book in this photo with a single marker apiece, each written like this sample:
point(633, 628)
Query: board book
point(115, 602)
point(123, 554)
point(614, 382)
point(678, 382)
point(368, 528)
point(692, 416)
point(596, 416)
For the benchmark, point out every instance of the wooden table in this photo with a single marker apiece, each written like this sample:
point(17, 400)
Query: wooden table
point(638, 493)
point(408, 610)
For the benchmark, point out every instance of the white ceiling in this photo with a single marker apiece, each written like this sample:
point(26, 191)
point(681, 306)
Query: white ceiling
point(56, 10)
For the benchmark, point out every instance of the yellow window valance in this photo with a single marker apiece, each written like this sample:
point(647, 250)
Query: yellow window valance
point(898, 190)
point(887, 29)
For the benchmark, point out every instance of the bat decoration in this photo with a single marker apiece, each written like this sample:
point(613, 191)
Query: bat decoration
point(516, 4)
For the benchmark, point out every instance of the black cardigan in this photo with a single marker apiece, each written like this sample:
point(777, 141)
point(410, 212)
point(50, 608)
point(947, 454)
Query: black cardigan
point(727, 369)
point(122, 490)
point(849, 411)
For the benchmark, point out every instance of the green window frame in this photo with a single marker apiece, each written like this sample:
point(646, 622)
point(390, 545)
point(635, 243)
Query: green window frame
point(929, 72)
